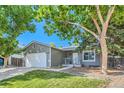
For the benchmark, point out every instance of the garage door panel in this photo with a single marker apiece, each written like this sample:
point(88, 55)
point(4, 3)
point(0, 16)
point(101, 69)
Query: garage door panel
point(36, 60)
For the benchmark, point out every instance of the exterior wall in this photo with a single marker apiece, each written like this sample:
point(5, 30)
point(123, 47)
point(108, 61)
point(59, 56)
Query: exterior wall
point(38, 48)
point(57, 57)
point(95, 63)
point(84, 63)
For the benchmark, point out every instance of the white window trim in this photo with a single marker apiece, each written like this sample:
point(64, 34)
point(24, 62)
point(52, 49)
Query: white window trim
point(89, 60)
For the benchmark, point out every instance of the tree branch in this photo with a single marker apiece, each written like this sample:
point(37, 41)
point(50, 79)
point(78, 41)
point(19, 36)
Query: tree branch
point(110, 12)
point(99, 15)
point(86, 29)
point(97, 25)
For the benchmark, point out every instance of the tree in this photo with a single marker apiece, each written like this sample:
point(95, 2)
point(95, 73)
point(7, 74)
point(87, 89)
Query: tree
point(15, 20)
point(60, 46)
point(52, 45)
point(71, 22)
point(116, 41)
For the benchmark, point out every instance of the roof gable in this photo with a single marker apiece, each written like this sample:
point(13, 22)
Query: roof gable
point(36, 42)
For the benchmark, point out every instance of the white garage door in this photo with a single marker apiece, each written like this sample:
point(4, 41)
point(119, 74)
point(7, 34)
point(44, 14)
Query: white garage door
point(36, 60)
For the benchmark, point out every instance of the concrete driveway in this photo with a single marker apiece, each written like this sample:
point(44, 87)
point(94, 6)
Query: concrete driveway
point(11, 72)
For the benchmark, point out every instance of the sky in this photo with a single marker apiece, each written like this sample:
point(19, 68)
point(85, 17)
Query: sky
point(41, 36)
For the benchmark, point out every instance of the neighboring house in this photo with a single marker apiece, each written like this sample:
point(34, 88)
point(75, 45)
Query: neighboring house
point(37, 54)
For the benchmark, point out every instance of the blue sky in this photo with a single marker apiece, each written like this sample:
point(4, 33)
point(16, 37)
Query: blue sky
point(40, 36)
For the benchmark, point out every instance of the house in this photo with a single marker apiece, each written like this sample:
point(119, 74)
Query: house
point(38, 54)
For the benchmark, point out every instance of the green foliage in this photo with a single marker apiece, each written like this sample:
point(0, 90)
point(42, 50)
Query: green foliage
point(15, 20)
point(60, 46)
point(116, 41)
point(57, 18)
point(52, 44)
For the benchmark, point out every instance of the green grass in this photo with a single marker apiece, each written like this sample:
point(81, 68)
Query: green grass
point(49, 79)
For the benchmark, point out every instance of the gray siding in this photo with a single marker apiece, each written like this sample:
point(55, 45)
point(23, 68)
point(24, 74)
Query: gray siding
point(38, 48)
point(96, 63)
point(56, 57)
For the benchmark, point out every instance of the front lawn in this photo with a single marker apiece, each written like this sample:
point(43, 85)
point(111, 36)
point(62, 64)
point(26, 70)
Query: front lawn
point(49, 79)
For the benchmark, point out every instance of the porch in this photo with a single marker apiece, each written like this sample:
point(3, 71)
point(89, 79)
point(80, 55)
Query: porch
point(71, 59)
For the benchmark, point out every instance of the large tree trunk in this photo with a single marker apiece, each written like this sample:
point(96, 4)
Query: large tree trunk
point(104, 55)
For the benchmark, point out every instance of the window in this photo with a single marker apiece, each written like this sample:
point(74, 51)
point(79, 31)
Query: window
point(89, 56)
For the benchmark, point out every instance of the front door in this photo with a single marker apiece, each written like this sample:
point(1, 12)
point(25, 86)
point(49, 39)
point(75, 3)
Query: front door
point(75, 59)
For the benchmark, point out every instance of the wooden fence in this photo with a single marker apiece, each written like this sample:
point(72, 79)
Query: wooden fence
point(18, 62)
point(115, 62)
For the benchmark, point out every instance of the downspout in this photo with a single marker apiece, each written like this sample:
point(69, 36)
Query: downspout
point(50, 64)
point(23, 58)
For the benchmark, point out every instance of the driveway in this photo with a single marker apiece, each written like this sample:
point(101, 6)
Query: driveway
point(11, 72)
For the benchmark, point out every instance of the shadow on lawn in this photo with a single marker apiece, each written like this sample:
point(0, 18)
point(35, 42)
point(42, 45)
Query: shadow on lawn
point(36, 74)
